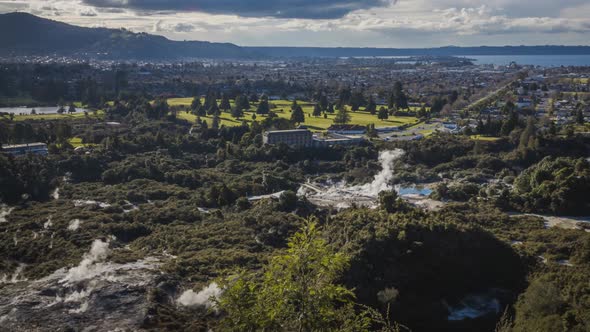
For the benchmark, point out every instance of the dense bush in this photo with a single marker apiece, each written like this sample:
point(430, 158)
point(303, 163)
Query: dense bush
point(555, 185)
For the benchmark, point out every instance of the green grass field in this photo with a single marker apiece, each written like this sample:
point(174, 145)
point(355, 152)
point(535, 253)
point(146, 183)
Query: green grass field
point(575, 80)
point(283, 109)
point(484, 138)
point(77, 142)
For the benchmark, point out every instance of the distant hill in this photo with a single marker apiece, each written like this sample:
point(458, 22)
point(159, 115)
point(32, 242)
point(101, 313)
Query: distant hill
point(290, 52)
point(26, 34)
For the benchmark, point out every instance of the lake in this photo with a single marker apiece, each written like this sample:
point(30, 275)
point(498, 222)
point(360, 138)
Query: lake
point(534, 60)
point(39, 110)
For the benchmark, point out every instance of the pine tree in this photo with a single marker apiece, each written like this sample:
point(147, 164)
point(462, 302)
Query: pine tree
point(323, 102)
point(237, 113)
point(213, 108)
point(330, 109)
point(298, 116)
point(342, 117)
point(263, 107)
point(294, 105)
point(383, 114)
point(317, 110)
point(216, 121)
point(371, 107)
point(225, 104)
point(196, 104)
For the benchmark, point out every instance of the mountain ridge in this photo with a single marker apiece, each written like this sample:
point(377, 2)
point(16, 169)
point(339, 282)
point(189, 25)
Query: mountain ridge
point(41, 36)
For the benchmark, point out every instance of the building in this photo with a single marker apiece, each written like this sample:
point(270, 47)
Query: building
point(335, 139)
point(347, 129)
point(23, 149)
point(296, 137)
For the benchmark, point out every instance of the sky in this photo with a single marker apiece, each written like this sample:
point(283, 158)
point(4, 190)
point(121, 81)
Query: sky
point(332, 23)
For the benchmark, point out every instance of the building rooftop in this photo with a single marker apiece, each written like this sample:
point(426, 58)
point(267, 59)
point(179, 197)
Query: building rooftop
point(286, 131)
point(17, 146)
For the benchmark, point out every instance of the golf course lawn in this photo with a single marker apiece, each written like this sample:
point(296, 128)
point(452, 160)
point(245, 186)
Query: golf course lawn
point(283, 109)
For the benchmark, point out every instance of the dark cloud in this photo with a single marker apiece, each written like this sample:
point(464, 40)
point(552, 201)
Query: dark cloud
point(312, 9)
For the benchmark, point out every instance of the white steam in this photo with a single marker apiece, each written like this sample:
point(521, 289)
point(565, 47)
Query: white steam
point(382, 181)
point(16, 276)
point(89, 268)
point(202, 298)
point(79, 202)
point(5, 211)
point(74, 225)
point(48, 223)
point(55, 194)
point(340, 195)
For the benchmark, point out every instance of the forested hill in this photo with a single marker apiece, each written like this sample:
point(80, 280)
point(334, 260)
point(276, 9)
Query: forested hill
point(26, 34)
point(442, 51)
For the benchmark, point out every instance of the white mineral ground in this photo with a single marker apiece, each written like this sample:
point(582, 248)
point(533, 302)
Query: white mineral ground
point(341, 196)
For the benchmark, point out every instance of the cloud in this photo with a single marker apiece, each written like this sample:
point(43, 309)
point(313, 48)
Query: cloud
point(310, 9)
point(162, 26)
point(88, 12)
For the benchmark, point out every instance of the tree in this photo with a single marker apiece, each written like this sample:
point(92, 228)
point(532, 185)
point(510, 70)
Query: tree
point(422, 113)
point(72, 108)
point(323, 101)
point(294, 105)
point(510, 124)
point(158, 110)
point(288, 201)
point(298, 291)
point(528, 136)
point(237, 113)
point(342, 117)
point(254, 98)
point(398, 97)
point(371, 106)
point(344, 97)
point(371, 131)
point(317, 110)
point(210, 98)
point(383, 114)
point(454, 96)
point(330, 109)
point(216, 121)
point(437, 104)
point(242, 102)
point(225, 105)
point(357, 100)
point(213, 108)
point(196, 104)
point(388, 201)
point(298, 116)
point(263, 107)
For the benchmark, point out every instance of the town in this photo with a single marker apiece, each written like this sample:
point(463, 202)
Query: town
point(177, 192)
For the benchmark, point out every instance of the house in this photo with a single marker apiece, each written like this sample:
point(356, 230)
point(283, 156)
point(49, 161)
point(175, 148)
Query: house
point(296, 137)
point(23, 149)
